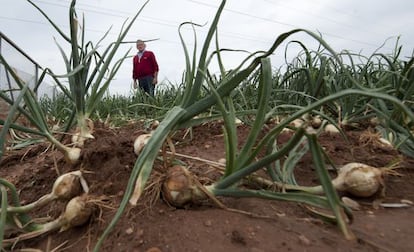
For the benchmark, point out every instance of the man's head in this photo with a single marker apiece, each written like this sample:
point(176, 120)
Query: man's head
point(140, 45)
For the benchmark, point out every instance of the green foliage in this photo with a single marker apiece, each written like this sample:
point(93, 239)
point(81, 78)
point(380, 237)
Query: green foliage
point(89, 72)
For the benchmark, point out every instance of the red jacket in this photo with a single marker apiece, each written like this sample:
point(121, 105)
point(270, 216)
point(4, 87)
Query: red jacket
point(145, 66)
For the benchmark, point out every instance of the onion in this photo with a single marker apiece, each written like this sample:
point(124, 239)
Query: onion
point(237, 121)
point(374, 121)
point(140, 142)
point(79, 138)
point(388, 139)
point(359, 179)
point(154, 124)
point(311, 130)
point(77, 212)
point(69, 185)
point(179, 188)
point(356, 179)
point(83, 133)
point(385, 142)
point(330, 128)
point(297, 123)
point(72, 155)
point(316, 121)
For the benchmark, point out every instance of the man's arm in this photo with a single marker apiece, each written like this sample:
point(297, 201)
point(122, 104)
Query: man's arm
point(155, 80)
point(134, 71)
point(156, 69)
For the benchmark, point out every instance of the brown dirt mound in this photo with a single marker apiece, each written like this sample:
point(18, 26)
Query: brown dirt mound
point(272, 225)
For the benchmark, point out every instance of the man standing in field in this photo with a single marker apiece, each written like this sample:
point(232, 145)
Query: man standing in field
point(145, 69)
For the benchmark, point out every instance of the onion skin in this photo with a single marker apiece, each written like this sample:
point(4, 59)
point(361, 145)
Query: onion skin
point(140, 142)
point(155, 124)
point(77, 212)
point(316, 122)
point(79, 138)
point(329, 128)
point(179, 188)
point(83, 132)
point(69, 185)
point(72, 155)
point(359, 180)
point(297, 123)
point(66, 187)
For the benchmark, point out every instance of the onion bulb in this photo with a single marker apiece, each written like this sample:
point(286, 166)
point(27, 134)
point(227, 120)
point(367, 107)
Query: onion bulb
point(237, 121)
point(330, 128)
point(140, 142)
point(83, 133)
point(374, 121)
point(316, 121)
point(79, 138)
point(154, 124)
point(69, 185)
point(355, 179)
point(77, 212)
point(72, 155)
point(297, 123)
point(359, 179)
point(179, 188)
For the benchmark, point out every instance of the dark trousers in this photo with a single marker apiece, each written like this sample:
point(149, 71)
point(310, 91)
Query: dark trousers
point(145, 83)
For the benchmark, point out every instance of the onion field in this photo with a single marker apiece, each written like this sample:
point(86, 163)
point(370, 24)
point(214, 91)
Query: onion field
point(313, 155)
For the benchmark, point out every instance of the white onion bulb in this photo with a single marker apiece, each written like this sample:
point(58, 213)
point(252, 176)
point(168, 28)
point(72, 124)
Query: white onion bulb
point(77, 212)
point(359, 179)
point(69, 185)
point(72, 155)
point(140, 142)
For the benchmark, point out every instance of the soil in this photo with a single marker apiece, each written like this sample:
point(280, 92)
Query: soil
point(153, 225)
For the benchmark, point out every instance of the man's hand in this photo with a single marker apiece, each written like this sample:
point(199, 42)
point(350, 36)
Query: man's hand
point(155, 80)
point(135, 84)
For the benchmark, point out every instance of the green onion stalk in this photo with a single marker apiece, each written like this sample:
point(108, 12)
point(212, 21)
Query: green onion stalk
point(33, 112)
point(12, 221)
point(180, 189)
point(361, 180)
point(12, 112)
point(242, 164)
point(88, 71)
point(191, 105)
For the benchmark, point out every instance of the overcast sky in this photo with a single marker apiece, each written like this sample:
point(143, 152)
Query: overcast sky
point(355, 25)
